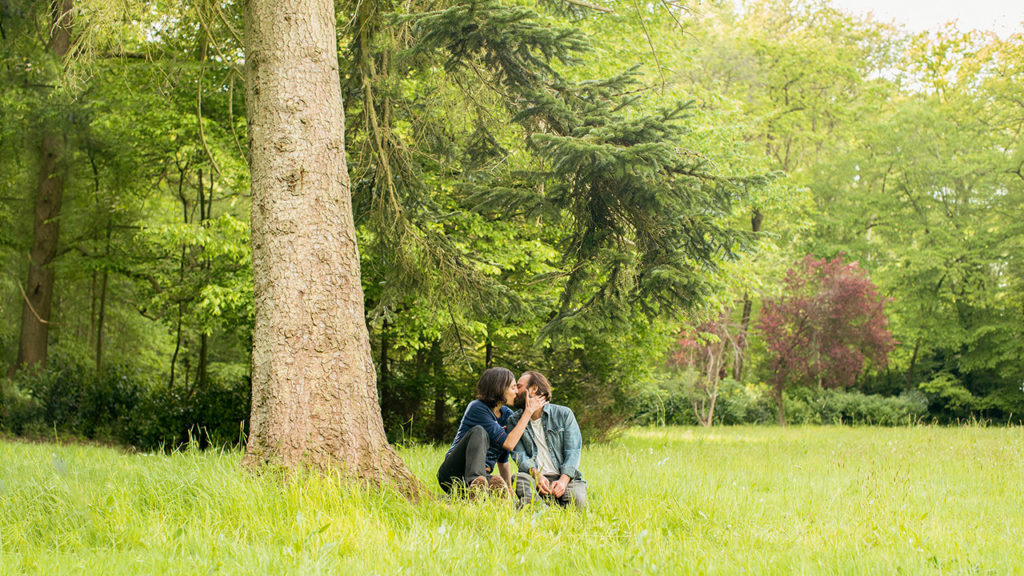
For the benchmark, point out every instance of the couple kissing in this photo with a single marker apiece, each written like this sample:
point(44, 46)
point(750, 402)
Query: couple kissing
point(542, 438)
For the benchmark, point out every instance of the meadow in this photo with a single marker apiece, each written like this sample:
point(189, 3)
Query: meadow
point(755, 500)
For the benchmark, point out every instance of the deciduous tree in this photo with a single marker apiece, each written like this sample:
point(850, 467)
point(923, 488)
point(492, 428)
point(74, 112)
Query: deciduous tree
point(706, 349)
point(38, 292)
point(820, 330)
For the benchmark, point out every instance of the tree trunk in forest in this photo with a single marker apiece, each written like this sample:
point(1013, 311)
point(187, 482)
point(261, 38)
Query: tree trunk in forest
point(103, 307)
point(35, 317)
point(439, 431)
point(777, 393)
point(204, 360)
point(385, 325)
point(177, 348)
point(910, 369)
point(205, 207)
point(756, 219)
point(314, 397)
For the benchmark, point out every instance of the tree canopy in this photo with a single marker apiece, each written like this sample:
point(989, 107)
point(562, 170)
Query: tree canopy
point(539, 185)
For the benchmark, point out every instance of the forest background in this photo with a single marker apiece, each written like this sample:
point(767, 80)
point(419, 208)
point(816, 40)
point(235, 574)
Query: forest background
point(680, 214)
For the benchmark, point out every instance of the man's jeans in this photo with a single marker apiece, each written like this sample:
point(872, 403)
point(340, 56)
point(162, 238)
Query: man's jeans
point(575, 492)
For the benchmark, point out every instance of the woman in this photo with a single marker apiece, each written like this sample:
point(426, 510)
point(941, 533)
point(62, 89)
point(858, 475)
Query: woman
point(482, 443)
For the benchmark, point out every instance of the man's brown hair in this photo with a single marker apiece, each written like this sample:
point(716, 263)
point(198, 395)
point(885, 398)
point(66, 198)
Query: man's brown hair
point(537, 379)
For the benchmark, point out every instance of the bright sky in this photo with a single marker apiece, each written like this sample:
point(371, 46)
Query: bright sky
point(1001, 16)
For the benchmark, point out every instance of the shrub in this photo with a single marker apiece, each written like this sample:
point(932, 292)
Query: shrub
point(56, 392)
point(125, 407)
point(167, 418)
point(666, 403)
point(17, 409)
point(740, 403)
point(853, 407)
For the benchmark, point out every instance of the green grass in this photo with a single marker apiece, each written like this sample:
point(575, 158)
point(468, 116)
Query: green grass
point(662, 501)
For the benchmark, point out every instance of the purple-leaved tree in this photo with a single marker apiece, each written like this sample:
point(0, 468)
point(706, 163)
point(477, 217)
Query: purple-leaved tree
point(827, 322)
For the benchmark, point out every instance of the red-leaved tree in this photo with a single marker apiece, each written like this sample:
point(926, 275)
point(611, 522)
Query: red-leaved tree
point(827, 322)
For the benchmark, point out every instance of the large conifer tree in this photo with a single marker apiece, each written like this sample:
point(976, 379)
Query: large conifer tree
point(314, 395)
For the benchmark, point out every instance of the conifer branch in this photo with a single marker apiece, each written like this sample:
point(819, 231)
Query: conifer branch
point(590, 6)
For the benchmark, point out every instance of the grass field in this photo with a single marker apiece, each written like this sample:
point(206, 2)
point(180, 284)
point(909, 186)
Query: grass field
point(829, 500)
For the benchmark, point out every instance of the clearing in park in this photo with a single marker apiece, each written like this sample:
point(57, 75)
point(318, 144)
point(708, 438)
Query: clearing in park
point(754, 500)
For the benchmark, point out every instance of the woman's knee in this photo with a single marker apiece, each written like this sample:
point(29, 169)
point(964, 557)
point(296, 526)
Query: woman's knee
point(477, 436)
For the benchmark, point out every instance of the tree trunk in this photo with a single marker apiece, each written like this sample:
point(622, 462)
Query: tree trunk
point(35, 317)
point(439, 429)
point(101, 318)
point(314, 398)
point(778, 400)
point(384, 327)
point(204, 264)
point(204, 360)
point(910, 369)
point(177, 348)
point(756, 219)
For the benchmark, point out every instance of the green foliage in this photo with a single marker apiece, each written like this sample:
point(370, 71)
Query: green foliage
point(511, 41)
point(927, 197)
point(525, 196)
point(669, 403)
point(648, 222)
point(947, 390)
point(951, 400)
point(168, 418)
point(853, 407)
point(508, 214)
point(125, 406)
point(154, 259)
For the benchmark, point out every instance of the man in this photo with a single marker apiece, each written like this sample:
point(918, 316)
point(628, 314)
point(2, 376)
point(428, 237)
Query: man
point(548, 454)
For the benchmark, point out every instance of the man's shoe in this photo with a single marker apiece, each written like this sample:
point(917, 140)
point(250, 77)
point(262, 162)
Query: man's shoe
point(498, 486)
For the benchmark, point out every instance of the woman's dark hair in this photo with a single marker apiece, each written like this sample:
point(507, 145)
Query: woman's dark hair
point(537, 379)
point(490, 388)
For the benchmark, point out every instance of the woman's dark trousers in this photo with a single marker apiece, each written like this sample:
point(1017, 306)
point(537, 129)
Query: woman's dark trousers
point(466, 461)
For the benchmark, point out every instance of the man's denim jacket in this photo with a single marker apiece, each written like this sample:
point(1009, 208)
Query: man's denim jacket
point(563, 436)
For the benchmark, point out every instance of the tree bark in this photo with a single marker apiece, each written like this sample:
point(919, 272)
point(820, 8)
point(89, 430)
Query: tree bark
point(103, 307)
point(204, 264)
point(440, 428)
point(177, 348)
point(910, 369)
point(314, 400)
point(777, 392)
point(385, 326)
point(204, 360)
point(35, 317)
point(756, 219)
